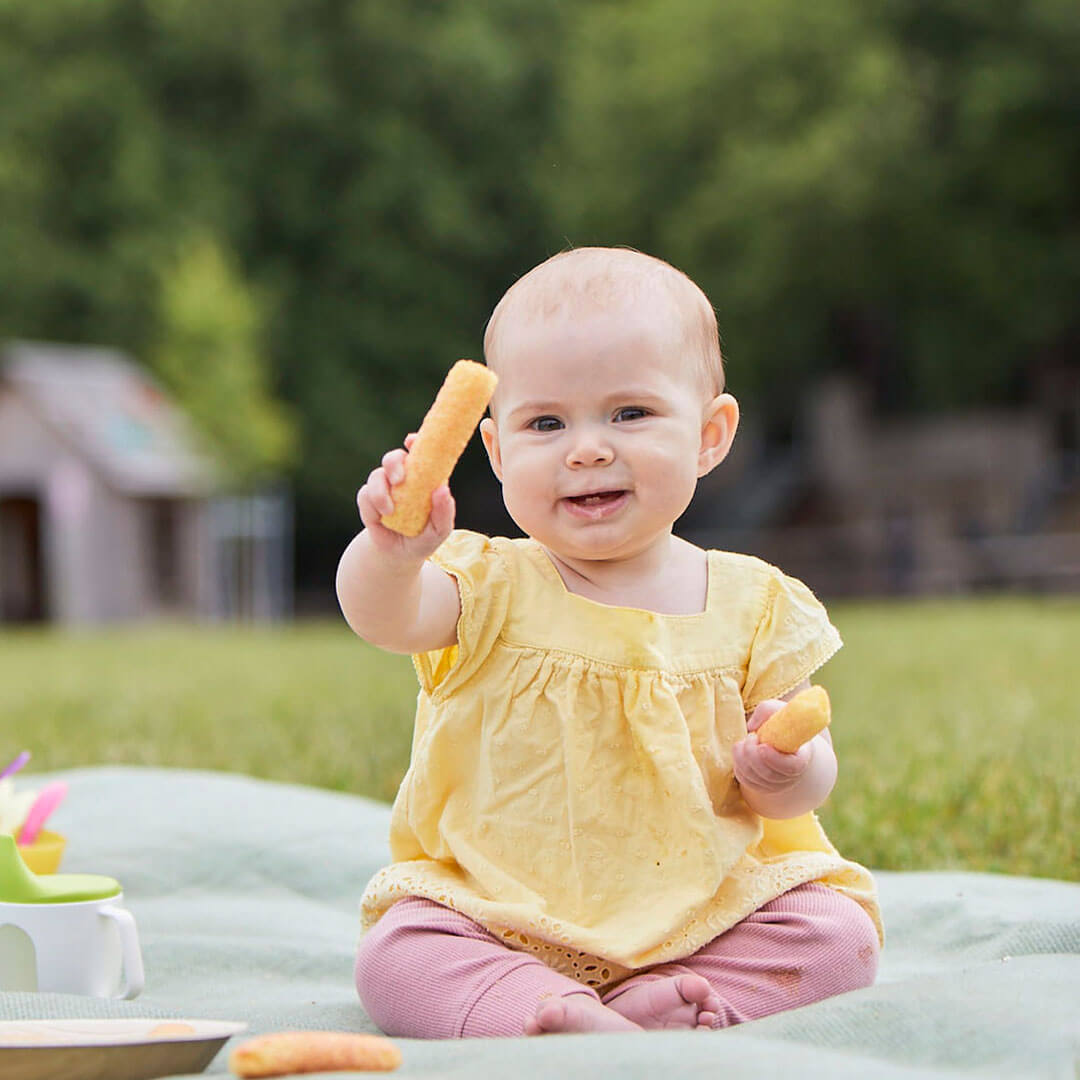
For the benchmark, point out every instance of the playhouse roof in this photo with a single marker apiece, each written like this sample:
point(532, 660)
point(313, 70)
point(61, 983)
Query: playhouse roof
point(114, 413)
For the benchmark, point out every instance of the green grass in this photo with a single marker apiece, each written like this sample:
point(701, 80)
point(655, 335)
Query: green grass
point(309, 703)
point(957, 723)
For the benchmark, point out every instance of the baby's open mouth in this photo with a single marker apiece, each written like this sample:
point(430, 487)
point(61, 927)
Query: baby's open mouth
point(596, 498)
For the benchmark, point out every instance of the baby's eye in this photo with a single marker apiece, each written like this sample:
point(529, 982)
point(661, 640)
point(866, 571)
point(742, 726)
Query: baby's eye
point(546, 423)
point(631, 412)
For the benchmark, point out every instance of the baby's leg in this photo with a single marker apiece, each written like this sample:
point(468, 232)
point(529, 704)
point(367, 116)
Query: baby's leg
point(427, 972)
point(806, 945)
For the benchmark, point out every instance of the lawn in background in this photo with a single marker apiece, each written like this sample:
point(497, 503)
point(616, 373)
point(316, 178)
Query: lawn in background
point(957, 723)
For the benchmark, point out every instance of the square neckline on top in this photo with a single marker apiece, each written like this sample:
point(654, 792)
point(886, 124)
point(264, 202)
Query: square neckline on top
point(542, 557)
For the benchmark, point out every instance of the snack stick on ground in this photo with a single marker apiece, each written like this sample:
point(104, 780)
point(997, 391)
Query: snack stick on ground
point(798, 721)
point(287, 1052)
point(441, 440)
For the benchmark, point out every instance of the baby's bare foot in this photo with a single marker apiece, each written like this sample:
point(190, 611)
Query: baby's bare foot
point(682, 1001)
point(576, 1012)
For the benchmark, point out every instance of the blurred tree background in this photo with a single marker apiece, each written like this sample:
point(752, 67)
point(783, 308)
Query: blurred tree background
point(300, 212)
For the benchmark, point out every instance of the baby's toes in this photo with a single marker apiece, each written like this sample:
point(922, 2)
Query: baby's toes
point(695, 990)
point(705, 1020)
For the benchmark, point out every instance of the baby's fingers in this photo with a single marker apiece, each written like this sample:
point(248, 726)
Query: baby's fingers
point(443, 510)
point(374, 498)
point(393, 463)
point(780, 764)
point(766, 769)
point(763, 711)
point(746, 766)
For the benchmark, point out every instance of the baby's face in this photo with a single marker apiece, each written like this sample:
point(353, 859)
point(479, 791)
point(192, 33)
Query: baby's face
point(597, 432)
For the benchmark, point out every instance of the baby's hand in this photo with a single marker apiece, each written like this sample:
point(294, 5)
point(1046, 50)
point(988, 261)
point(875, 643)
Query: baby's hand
point(761, 767)
point(374, 500)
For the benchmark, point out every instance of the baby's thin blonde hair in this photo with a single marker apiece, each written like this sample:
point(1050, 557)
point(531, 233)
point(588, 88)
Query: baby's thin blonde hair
point(582, 280)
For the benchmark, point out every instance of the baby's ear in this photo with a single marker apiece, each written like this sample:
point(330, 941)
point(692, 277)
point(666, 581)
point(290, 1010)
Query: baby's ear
point(717, 432)
point(489, 433)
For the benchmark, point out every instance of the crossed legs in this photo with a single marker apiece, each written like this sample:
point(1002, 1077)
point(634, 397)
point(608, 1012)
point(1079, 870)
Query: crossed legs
point(424, 971)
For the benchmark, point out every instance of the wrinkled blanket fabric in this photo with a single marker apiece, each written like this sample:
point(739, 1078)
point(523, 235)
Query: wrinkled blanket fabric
point(246, 896)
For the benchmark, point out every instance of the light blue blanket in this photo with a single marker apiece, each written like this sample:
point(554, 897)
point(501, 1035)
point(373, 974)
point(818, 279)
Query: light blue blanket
point(245, 893)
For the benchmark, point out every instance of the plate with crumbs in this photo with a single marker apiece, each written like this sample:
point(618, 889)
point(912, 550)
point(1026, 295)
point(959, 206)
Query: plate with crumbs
point(109, 1049)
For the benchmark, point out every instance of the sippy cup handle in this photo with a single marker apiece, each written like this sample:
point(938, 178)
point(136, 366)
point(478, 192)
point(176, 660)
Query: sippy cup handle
point(129, 946)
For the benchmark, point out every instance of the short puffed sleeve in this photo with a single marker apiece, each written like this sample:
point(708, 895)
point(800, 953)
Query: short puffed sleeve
point(483, 577)
point(793, 639)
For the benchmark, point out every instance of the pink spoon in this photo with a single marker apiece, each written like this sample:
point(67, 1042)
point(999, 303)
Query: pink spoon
point(49, 798)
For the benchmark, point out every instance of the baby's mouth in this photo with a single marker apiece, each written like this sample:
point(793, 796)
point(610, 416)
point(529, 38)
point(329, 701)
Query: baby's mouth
point(596, 498)
point(597, 505)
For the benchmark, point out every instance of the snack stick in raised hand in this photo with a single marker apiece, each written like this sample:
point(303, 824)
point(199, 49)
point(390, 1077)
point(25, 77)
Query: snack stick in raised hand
point(798, 721)
point(441, 440)
point(286, 1052)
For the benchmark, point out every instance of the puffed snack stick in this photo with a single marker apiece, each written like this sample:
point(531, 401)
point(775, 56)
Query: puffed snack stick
point(798, 721)
point(285, 1052)
point(441, 440)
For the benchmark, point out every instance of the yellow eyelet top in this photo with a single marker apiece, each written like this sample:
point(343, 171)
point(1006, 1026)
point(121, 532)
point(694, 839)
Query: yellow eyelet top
point(571, 783)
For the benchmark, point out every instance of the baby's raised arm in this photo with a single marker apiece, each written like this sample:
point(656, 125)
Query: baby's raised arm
point(389, 593)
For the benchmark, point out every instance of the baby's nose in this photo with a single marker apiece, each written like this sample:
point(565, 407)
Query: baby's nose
point(587, 452)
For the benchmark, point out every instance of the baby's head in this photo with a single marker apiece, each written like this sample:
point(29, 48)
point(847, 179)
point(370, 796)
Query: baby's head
point(610, 402)
point(581, 282)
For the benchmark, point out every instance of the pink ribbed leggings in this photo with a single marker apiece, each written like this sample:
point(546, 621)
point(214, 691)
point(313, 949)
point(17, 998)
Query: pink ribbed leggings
point(426, 972)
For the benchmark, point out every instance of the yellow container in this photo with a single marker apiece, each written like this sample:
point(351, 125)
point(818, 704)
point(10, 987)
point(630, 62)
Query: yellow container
point(44, 854)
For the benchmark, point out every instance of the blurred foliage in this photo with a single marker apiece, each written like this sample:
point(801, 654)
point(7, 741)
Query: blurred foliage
point(890, 188)
point(210, 354)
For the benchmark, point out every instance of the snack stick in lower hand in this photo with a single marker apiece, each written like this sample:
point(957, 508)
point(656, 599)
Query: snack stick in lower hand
point(287, 1052)
point(798, 721)
point(441, 440)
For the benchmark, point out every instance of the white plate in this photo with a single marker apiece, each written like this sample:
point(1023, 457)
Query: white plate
point(109, 1049)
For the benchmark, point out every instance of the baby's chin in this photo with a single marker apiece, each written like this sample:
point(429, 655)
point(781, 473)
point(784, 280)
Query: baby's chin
point(594, 546)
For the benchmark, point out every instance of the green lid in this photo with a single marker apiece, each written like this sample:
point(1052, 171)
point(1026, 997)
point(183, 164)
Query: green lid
point(20, 885)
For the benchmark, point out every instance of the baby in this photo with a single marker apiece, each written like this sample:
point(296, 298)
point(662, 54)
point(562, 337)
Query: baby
point(589, 836)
